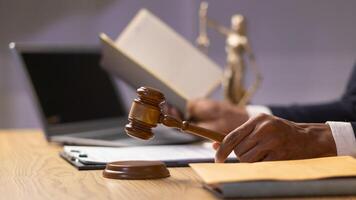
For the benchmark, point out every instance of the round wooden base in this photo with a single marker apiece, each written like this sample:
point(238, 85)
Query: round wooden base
point(136, 170)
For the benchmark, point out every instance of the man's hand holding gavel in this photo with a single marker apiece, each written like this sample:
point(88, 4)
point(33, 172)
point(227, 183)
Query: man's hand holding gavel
point(261, 138)
point(147, 111)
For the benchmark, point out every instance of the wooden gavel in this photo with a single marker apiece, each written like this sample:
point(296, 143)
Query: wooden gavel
point(146, 113)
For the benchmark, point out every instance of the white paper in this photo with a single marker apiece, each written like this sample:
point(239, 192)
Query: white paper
point(165, 153)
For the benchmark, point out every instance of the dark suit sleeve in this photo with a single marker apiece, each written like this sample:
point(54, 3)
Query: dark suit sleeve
point(333, 111)
point(353, 124)
point(343, 109)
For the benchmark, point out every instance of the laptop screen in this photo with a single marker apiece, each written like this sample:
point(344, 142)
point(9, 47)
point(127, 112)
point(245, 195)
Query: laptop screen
point(72, 87)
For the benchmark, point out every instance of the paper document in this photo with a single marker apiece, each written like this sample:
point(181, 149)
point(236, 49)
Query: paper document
point(167, 153)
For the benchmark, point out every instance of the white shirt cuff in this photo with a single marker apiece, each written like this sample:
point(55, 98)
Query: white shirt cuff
point(254, 110)
point(344, 138)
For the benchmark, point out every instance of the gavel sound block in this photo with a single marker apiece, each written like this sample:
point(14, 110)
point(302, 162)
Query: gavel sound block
point(146, 113)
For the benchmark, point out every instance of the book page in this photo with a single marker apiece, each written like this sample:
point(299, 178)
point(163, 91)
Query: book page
point(170, 57)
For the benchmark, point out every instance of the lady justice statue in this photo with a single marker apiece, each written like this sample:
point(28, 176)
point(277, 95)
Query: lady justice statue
point(237, 49)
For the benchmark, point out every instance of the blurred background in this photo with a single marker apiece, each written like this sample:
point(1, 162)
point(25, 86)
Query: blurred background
point(305, 49)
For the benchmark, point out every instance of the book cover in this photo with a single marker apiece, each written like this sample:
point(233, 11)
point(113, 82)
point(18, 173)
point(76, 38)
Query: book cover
point(150, 53)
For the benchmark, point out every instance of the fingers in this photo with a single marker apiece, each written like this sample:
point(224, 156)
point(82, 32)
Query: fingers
point(257, 153)
point(269, 157)
point(203, 109)
point(260, 151)
point(174, 112)
point(258, 135)
point(261, 145)
point(216, 145)
point(234, 138)
point(261, 138)
point(248, 143)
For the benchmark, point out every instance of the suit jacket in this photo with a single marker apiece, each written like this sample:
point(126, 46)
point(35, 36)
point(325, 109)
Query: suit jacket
point(343, 109)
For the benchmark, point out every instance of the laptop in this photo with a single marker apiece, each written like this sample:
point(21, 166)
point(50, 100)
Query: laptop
point(76, 100)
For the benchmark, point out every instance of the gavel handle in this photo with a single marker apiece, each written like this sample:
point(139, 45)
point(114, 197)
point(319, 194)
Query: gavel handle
point(190, 128)
point(199, 131)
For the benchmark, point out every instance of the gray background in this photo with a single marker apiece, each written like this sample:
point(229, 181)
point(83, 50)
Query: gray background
point(304, 48)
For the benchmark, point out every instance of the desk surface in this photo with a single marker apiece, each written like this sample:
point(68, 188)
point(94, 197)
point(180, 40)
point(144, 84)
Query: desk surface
point(30, 168)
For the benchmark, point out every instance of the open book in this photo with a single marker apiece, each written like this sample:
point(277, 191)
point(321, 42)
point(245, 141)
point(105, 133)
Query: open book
point(310, 177)
point(149, 53)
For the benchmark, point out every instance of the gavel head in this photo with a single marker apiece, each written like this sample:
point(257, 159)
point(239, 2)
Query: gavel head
point(145, 113)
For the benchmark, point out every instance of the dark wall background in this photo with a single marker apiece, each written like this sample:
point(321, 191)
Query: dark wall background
point(304, 48)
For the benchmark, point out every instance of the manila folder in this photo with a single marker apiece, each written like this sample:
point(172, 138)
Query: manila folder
point(309, 177)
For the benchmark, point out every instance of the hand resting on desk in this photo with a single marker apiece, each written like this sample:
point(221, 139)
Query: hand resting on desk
point(266, 138)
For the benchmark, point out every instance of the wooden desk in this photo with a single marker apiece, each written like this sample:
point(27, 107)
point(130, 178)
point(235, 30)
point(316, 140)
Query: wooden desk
point(30, 168)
